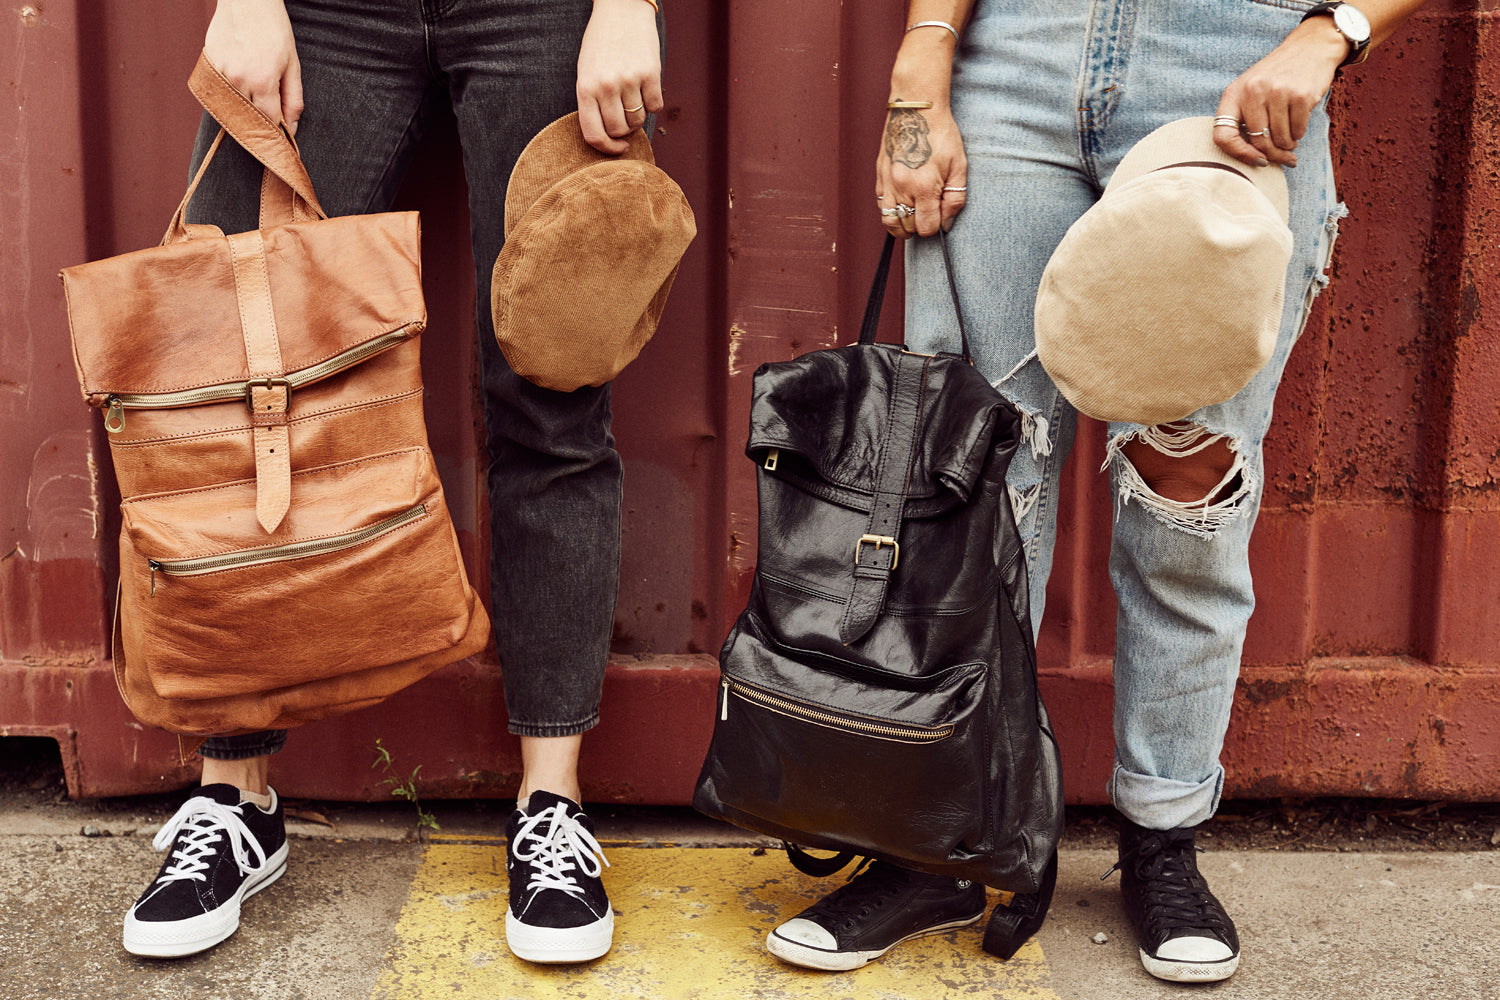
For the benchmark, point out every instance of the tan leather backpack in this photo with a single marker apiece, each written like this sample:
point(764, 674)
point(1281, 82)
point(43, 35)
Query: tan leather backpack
point(286, 553)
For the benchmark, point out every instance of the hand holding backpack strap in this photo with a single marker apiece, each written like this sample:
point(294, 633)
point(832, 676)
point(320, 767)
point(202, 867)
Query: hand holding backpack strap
point(286, 193)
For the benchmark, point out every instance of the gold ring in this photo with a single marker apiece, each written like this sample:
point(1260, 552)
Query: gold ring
point(638, 107)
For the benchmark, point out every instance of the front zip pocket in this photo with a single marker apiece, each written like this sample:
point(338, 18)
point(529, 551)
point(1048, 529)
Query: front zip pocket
point(830, 754)
point(819, 715)
point(116, 403)
point(279, 553)
point(364, 571)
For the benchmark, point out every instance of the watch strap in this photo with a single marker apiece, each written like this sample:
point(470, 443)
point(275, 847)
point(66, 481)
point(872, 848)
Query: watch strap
point(1359, 50)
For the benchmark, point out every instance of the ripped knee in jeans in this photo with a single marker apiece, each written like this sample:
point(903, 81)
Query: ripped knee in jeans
point(1183, 474)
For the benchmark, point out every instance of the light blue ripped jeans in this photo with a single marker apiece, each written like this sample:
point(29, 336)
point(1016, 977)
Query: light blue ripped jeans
point(1049, 97)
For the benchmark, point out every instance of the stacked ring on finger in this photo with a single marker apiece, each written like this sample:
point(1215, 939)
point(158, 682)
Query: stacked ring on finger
point(1228, 121)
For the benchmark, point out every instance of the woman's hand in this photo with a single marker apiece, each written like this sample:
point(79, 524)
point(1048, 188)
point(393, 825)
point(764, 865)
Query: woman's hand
point(619, 73)
point(1273, 99)
point(250, 42)
point(922, 173)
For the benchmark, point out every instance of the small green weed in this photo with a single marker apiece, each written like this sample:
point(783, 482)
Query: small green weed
point(403, 788)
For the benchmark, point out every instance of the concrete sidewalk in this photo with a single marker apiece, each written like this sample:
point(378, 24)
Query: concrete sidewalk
point(363, 915)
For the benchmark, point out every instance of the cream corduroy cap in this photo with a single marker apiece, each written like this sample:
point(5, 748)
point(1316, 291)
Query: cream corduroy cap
point(1166, 295)
point(592, 244)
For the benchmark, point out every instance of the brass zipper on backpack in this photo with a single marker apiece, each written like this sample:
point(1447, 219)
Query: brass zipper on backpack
point(897, 731)
point(116, 403)
point(284, 552)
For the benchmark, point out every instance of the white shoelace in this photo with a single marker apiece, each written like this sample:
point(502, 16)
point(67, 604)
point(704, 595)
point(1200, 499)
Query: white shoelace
point(564, 846)
point(203, 823)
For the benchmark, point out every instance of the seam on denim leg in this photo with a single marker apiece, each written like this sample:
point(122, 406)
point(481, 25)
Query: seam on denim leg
point(1043, 498)
point(1200, 518)
point(553, 729)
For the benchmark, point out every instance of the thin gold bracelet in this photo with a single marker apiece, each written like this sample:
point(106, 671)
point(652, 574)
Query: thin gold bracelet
point(914, 105)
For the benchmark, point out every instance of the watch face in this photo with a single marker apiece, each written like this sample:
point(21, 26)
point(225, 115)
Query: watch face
point(1354, 25)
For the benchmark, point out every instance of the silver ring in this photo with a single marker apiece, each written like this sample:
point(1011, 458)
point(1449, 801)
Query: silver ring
point(905, 211)
point(1226, 120)
point(890, 213)
point(1265, 132)
point(964, 188)
point(638, 107)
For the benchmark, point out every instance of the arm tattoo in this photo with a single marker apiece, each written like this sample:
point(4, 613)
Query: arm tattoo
point(906, 138)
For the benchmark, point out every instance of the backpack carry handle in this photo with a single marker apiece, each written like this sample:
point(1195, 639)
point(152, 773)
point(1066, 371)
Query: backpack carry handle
point(871, 324)
point(286, 191)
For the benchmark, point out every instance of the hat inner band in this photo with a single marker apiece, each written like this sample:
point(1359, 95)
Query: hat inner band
point(1205, 163)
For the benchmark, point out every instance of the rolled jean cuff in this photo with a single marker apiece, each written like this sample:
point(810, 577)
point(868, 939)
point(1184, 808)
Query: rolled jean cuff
point(1162, 803)
point(553, 729)
point(243, 747)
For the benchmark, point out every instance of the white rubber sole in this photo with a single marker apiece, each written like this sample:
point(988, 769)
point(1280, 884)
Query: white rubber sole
point(559, 945)
point(163, 939)
point(1175, 971)
point(843, 961)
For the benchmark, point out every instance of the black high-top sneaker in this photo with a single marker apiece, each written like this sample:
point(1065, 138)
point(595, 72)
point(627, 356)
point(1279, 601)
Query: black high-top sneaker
point(221, 851)
point(1183, 932)
point(872, 913)
point(558, 909)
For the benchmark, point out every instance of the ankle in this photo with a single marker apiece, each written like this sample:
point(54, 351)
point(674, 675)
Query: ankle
point(567, 790)
point(249, 775)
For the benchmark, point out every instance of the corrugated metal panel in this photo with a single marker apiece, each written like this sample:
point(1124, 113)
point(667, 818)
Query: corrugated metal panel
point(1371, 665)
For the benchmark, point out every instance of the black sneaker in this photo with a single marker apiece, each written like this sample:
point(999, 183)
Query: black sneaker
point(558, 910)
point(873, 912)
point(222, 852)
point(1184, 934)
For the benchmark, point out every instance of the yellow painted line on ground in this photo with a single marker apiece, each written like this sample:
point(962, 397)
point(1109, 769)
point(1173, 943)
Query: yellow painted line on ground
point(691, 923)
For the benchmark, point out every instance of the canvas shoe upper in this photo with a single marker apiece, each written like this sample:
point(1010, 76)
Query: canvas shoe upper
point(558, 909)
point(874, 911)
point(1183, 932)
point(220, 851)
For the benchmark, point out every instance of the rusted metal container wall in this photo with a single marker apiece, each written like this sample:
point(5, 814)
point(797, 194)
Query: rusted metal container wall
point(1372, 663)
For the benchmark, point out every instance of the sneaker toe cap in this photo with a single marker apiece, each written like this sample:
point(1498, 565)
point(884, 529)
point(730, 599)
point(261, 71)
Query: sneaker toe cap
point(805, 932)
point(1194, 949)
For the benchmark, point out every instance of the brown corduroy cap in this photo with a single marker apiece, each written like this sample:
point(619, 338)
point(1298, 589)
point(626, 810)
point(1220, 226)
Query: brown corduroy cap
point(592, 244)
point(1166, 295)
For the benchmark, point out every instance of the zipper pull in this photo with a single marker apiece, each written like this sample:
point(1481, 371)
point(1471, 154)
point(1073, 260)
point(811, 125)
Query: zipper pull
point(114, 414)
point(154, 567)
point(724, 702)
point(772, 457)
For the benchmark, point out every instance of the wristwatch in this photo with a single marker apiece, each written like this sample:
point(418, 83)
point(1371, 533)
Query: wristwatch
point(1351, 23)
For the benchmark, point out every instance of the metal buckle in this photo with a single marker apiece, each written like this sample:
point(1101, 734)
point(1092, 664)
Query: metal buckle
point(878, 541)
point(266, 383)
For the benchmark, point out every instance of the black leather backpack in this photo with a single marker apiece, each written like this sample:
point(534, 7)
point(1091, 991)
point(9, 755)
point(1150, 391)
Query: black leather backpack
point(878, 695)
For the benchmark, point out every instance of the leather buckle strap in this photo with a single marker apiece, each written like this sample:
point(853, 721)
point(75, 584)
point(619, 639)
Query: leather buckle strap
point(879, 541)
point(877, 550)
point(268, 395)
point(269, 401)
